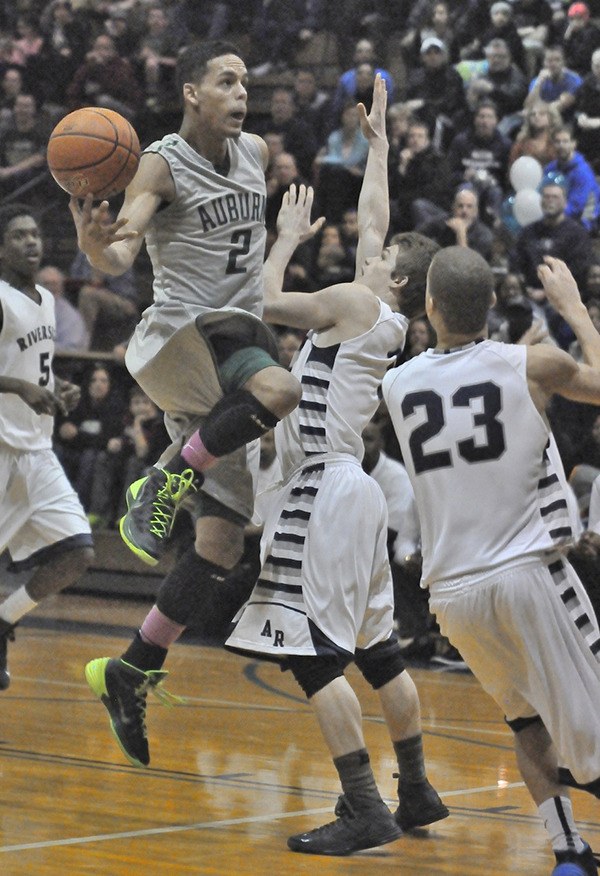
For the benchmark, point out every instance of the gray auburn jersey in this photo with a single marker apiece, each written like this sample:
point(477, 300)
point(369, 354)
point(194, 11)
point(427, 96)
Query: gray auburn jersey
point(26, 351)
point(476, 450)
point(207, 246)
point(340, 386)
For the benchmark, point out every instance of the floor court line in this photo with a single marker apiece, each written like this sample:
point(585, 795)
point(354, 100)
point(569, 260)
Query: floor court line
point(208, 825)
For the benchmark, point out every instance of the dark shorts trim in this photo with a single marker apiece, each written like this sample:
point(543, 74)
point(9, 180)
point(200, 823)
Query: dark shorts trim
point(518, 724)
point(44, 555)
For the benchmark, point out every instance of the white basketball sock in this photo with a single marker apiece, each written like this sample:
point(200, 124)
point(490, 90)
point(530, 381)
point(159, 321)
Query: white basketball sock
point(16, 605)
point(557, 815)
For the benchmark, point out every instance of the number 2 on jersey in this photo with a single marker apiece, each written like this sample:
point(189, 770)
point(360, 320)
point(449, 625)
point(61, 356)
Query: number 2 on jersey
point(242, 239)
point(492, 448)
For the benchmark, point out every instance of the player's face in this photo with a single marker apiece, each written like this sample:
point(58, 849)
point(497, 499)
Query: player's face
point(377, 273)
point(222, 96)
point(21, 249)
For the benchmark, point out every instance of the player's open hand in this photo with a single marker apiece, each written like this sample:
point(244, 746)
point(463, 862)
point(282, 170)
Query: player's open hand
point(293, 219)
point(560, 286)
point(373, 125)
point(95, 228)
point(68, 395)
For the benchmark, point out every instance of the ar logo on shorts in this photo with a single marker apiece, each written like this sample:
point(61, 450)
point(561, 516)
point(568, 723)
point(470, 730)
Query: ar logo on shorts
point(277, 639)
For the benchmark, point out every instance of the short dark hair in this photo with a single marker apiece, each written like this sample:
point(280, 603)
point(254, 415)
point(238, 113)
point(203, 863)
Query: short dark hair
point(12, 211)
point(193, 61)
point(415, 252)
point(461, 283)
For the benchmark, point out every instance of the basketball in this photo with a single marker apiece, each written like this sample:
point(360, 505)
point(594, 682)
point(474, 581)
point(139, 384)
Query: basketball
point(93, 150)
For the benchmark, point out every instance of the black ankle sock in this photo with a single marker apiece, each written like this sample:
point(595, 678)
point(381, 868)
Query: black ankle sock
point(411, 764)
point(143, 655)
point(358, 781)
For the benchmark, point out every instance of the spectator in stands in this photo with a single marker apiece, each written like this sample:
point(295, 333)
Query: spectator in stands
point(437, 24)
point(157, 55)
point(71, 333)
point(502, 27)
point(109, 305)
point(124, 34)
point(23, 144)
point(583, 192)
point(555, 84)
point(348, 87)
point(557, 235)
point(274, 32)
point(298, 136)
point(587, 114)
point(512, 314)
point(63, 50)
point(341, 165)
point(591, 287)
point(332, 264)
point(288, 344)
point(580, 39)
point(504, 83)
point(126, 458)
point(419, 337)
point(30, 41)
point(105, 79)
point(479, 156)
point(349, 232)
point(11, 85)
point(540, 121)
point(283, 173)
point(312, 103)
point(463, 227)
point(435, 91)
point(207, 19)
point(86, 431)
point(532, 19)
point(420, 183)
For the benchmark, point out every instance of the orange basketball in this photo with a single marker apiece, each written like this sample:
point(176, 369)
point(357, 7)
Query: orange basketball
point(93, 150)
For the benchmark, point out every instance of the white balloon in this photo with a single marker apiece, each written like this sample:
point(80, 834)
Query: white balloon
point(527, 207)
point(525, 173)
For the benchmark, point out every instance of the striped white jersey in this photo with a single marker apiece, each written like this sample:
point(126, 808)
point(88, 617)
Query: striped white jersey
point(207, 245)
point(339, 391)
point(476, 449)
point(26, 351)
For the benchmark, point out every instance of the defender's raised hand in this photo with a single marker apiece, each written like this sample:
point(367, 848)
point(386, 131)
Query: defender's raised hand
point(373, 125)
point(293, 220)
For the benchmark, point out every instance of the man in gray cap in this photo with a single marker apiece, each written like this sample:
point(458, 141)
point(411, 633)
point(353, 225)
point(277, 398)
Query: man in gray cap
point(435, 91)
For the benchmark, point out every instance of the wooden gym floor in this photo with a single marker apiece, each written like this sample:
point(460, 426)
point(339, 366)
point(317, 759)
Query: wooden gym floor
point(235, 770)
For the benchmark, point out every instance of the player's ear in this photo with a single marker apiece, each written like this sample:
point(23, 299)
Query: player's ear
point(189, 93)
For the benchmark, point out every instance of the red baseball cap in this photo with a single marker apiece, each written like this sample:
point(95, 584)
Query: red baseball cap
point(576, 9)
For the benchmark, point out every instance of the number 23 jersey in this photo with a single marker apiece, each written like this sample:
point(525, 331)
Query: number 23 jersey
point(476, 450)
point(26, 351)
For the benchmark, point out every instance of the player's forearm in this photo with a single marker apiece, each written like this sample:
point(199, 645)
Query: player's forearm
point(114, 259)
point(274, 268)
point(12, 384)
point(586, 333)
point(373, 202)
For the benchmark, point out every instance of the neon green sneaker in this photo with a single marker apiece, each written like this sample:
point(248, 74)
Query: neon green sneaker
point(123, 690)
point(152, 503)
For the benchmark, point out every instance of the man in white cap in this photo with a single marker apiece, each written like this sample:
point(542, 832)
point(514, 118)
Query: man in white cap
point(435, 91)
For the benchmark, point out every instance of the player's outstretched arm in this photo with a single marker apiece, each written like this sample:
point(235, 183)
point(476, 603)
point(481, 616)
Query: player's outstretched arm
point(373, 202)
point(38, 398)
point(112, 245)
point(563, 294)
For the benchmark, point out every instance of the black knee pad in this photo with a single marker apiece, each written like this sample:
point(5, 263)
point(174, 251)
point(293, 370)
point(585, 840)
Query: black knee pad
point(189, 587)
point(518, 724)
point(381, 663)
point(315, 673)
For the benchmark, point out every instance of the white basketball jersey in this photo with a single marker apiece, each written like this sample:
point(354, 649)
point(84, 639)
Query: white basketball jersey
point(339, 391)
point(476, 450)
point(207, 245)
point(26, 351)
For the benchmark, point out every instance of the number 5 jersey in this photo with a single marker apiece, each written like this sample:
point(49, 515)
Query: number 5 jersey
point(466, 438)
point(26, 351)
